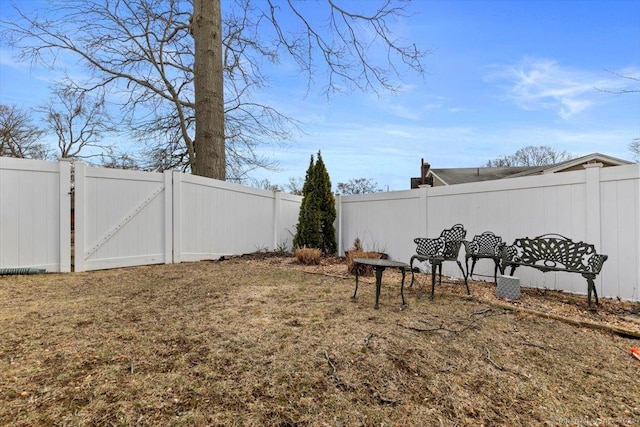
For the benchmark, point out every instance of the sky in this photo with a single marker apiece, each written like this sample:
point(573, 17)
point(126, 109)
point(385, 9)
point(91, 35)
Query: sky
point(501, 75)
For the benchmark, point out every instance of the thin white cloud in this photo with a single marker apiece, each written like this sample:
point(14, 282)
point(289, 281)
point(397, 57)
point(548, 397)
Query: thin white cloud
point(6, 59)
point(540, 84)
point(404, 112)
point(401, 133)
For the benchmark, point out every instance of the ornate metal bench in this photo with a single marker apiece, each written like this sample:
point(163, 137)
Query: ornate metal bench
point(483, 246)
point(438, 250)
point(553, 252)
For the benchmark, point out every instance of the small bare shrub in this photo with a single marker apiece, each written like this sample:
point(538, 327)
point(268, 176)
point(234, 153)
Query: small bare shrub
point(363, 270)
point(308, 256)
point(358, 252)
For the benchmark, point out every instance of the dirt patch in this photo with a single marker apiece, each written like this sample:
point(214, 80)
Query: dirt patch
point(256, 341)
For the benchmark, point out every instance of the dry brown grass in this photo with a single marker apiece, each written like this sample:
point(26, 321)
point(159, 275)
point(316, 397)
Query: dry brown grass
point(242, 343)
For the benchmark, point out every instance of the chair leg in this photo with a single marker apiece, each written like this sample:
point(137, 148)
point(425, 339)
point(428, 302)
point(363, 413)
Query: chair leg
point(440, 274)
point(413, 278)
point(591, 288)
point(495, 271)
point(473, 266)
point(466, 284)
point(434, 266)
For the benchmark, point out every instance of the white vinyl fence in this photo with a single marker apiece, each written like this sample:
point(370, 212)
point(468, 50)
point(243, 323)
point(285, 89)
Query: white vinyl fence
point(122, 218)
point(125, 218)
point(35, 210)
point(215, 218)
point(596, 205)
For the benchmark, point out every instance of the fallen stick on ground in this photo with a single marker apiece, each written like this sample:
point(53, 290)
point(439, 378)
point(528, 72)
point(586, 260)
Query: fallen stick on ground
point(580, 323)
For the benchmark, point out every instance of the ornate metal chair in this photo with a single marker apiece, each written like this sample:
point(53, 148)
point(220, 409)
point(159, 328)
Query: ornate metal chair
point(438, 250)
point(484, 246)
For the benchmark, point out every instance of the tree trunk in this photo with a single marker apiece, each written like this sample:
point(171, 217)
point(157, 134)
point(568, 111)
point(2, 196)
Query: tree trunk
point(209, 147)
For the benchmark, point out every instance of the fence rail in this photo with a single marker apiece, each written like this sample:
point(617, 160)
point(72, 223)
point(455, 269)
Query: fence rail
point(125, 218)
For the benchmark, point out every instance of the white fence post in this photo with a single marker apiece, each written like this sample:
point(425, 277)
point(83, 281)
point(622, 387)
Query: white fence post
point(79, 211)
point(592, 182)
point(176, 203)
point(168, 217)
point(338, 199)
point(276, 218)
point(65, 216)
point(422, 214)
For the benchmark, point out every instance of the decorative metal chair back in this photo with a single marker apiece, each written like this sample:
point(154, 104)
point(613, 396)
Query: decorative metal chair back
point(446, 246)
point(556, 251)
point(429, 247)
point(486, 244)
point(453, 240)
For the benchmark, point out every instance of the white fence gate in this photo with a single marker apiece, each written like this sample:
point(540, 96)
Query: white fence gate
point(35, 209)
point(122, 218)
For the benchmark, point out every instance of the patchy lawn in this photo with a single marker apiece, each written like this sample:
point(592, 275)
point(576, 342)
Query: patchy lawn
point(246, 343)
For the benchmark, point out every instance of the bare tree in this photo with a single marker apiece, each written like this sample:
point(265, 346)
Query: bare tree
point(294, 186)
point(358, 186)
point(146, 52)
point(79, 121)
point(118, 160)
point(19, 137)
point(265, 184)
point(532, 156)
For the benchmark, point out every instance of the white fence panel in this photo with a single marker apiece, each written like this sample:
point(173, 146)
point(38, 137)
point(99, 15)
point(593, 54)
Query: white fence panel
point(123, 218)
point(287, 210)
point(35, 210)
point(384, 222)
point(511, 208)
point(216, 218)
point(597, 205)
point(620, 218)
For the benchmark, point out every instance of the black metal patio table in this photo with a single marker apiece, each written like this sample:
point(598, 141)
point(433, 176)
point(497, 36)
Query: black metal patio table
point(379, 265)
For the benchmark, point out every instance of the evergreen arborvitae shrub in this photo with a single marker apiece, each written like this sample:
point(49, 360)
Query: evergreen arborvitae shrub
point(326, 206)
point(315, 227)
point(308, 230)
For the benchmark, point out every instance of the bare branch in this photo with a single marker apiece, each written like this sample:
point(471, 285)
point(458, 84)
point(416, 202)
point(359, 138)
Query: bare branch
point(348, 48)
point(636, 80)
point(141, 54)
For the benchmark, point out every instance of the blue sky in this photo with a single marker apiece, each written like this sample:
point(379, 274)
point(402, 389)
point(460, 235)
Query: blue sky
point(501, 75)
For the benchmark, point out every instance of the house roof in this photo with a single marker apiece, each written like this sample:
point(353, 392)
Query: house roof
point(451, 176)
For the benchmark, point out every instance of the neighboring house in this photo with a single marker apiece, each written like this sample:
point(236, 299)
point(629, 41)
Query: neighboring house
point(451, 176)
